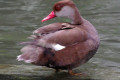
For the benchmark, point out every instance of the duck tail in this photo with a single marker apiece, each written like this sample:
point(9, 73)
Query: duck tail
point(30, 53)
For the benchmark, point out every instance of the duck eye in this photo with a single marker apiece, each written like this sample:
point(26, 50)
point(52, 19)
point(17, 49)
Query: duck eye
point(58, 7)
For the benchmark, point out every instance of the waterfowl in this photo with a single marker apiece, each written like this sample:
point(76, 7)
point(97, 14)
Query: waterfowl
point(62, 45)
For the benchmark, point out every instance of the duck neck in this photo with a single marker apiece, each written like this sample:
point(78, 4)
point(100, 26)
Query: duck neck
point(77, 18)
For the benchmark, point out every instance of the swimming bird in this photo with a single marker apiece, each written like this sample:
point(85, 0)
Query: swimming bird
point(62, 45)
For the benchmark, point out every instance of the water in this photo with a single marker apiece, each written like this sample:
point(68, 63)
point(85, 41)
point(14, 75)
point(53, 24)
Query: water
point(18, 18)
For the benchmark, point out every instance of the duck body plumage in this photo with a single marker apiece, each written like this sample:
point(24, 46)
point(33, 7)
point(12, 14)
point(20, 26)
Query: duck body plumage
point(80, 42)
point(79, 48)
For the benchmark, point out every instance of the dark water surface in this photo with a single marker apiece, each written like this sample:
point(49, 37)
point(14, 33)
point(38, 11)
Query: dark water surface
point(18, 18)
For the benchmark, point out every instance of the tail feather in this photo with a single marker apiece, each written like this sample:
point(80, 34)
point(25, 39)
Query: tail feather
point(30, 54)
point(34, 42)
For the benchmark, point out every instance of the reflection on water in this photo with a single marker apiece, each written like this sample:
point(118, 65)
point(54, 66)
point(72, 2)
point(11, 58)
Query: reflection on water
point(18, 18)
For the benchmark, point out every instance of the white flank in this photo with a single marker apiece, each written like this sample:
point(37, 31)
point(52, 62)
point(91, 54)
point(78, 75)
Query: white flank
point(57, 47)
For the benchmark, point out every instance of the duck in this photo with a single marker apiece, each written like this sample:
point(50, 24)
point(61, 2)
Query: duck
point(62, 45)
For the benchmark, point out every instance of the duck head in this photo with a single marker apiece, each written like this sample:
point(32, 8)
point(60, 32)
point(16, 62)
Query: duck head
point(67, 9)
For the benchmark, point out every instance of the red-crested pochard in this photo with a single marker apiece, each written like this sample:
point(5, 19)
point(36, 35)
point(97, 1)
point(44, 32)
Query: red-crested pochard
point(62, 45)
